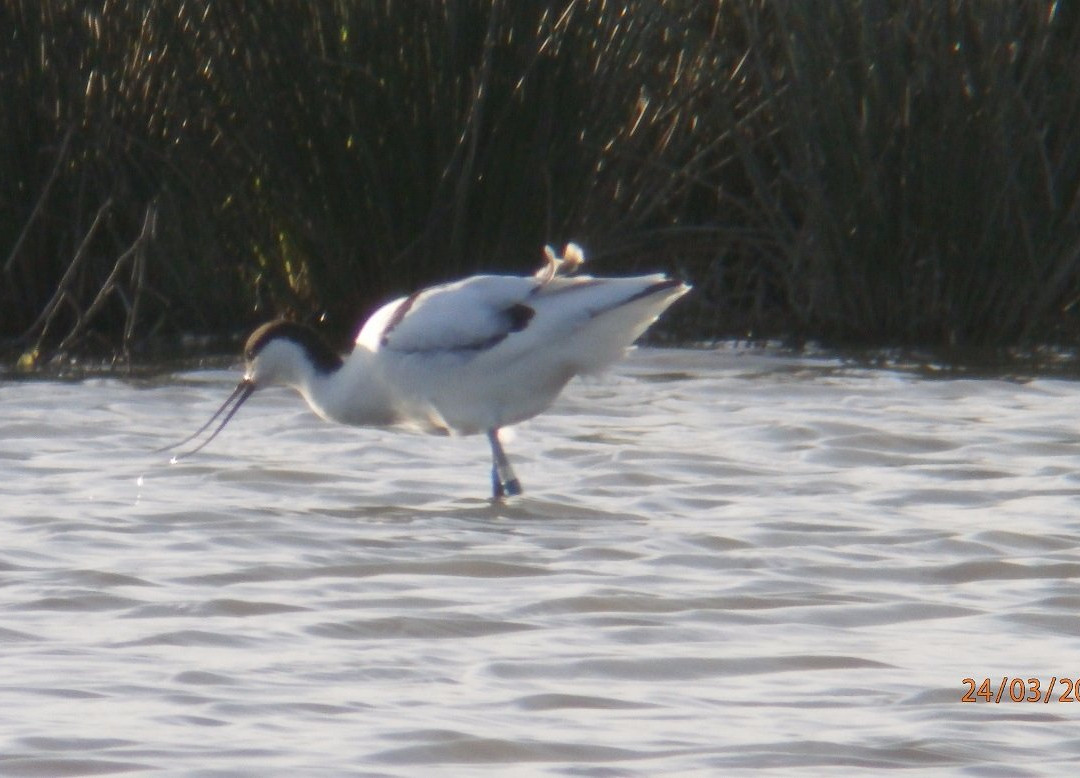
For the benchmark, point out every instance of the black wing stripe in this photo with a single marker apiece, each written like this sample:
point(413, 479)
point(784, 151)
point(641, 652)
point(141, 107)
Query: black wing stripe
point(651, 289)
point(517, 316)
point(398, 316)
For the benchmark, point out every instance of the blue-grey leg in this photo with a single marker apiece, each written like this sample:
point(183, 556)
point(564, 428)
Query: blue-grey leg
point(503, 481)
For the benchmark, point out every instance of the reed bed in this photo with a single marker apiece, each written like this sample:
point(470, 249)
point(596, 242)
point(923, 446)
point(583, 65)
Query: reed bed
point(868, 172)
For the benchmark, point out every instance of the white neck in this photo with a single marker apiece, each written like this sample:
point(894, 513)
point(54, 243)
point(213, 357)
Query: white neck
point(352, 394)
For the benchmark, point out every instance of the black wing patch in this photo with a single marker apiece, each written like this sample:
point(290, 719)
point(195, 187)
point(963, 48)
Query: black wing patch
point(516, 317)
point(520, 316)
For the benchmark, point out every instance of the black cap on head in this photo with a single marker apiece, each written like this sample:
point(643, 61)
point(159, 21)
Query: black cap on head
point(324, 358)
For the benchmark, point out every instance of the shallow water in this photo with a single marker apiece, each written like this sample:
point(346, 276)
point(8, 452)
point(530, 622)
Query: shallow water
point(724, 562)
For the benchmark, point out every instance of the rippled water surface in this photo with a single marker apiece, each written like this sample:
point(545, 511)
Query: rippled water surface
point(724, 562)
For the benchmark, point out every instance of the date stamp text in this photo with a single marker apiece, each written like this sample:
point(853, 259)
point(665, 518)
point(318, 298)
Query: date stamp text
point(1021, 690)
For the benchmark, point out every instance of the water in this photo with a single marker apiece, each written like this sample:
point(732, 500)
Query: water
point(724, 562)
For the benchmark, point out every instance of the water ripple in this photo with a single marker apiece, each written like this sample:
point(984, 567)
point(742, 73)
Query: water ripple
point(726, 561)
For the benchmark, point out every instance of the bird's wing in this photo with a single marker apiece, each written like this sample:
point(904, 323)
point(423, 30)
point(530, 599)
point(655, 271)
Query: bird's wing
point(510, 313)
point(465, 317)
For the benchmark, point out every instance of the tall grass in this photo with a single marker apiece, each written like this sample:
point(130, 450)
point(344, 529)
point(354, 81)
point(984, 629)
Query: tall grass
point(928, 168)
point(874, 171)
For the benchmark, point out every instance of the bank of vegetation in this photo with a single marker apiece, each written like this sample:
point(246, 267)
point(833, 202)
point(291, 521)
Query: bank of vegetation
point(875, 172)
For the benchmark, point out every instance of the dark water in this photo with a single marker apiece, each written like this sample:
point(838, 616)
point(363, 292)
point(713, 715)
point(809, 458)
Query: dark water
point(723, 562)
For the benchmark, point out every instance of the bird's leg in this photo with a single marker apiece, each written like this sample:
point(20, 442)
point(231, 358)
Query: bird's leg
point(503, 481)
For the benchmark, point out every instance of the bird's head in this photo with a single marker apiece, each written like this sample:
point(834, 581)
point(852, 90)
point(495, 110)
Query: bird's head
point(278, 352)
point(284, 352)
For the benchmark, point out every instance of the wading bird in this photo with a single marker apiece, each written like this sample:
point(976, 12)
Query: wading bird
point(466, 357)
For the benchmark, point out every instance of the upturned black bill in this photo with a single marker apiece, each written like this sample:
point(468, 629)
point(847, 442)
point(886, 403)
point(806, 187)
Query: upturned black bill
point(242, 391)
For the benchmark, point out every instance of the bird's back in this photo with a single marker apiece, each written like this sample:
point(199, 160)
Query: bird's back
point(596, 319)
point(495, 350)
